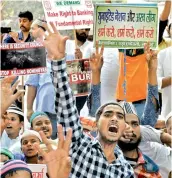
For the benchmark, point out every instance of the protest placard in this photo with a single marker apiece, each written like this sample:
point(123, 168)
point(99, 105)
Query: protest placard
point(22, 59)
point(69, 14)
point(79, 76)
point(38, 170)
point(126, 25)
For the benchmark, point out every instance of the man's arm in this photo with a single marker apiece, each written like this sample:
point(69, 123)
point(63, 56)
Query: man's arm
point(166, 11)
point(96, 63)
point(150, 114)
point(166, 81)
point(55, 45)
point(162, 81)
point(64, 97)
point(164, 19)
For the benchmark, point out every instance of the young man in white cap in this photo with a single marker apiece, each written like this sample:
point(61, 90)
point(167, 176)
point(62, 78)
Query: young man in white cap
point(28, 140)
point(11, 134)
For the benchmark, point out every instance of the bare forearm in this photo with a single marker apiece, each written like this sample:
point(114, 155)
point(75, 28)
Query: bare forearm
point(166, 11)
point(152, 77)
point(96, 77)
point(31, 96)
point(167, 81)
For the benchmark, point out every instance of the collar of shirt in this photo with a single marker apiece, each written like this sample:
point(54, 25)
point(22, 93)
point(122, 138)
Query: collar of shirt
point(140, 158)
point(82, 47)
point(120, 160)
point(21, 37)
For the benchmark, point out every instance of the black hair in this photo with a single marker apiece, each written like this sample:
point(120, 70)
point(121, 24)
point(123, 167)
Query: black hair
point(26, 14)
point(100, 110)
point(169, 26)
point(21, 118)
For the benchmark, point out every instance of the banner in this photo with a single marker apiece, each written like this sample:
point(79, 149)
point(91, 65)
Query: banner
point(79, 76)
point(22, 59)
point(69, 14)
point(126, 25)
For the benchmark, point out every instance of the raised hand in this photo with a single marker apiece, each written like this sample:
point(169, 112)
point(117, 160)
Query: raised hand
point(78, 53)
point(7, 96)
point(54, 43)
point(15, 37)
point(96, 60)
point(58, 161)
point(127, 135)
point(151, 56)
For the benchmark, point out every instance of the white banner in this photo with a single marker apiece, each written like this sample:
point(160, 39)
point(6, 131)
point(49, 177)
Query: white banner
point(69, 14)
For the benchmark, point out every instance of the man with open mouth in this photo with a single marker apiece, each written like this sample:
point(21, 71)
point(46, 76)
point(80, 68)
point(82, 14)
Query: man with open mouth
point(28, 140)
point(11, 134)
point(90, 158)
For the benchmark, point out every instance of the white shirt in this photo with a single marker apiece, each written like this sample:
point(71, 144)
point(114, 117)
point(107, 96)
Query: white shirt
point(11, 144)
point(70, 49)
point(164, 70)
point(151, 146)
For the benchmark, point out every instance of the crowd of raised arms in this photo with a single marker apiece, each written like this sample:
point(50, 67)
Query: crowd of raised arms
point(104, 134)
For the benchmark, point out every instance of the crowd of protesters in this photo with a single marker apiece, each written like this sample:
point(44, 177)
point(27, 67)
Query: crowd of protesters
point(103, 135)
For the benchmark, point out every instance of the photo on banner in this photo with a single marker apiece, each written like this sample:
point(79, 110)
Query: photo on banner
point(79, 76)
point(22, 59)
point(126, 25)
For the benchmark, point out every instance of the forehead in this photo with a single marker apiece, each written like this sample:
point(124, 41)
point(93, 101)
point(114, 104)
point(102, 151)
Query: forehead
point(30, 137)
point(115, 108)
point(23, 18)
point(131, 117)
point(41, 118)
point(10, 114)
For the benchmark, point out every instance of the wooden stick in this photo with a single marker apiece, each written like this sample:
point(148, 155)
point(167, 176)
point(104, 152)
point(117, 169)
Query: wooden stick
point(22, 94)
point(74, 33)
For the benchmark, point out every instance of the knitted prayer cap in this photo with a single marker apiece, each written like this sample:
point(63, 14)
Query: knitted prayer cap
point(100, 109)
point(14, 165)
point(128, 107)
point(31, 133)
point(6, 152)
point(36, 115)
point(14, 109)
point(40, 23)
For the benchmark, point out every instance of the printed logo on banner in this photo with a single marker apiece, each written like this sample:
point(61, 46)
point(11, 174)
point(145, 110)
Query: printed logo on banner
point(47, 5)
point(22, 59)
point(88, 3)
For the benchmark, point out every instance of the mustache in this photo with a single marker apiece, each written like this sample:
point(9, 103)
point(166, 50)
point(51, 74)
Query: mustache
point(22, 26)
point(83, 34)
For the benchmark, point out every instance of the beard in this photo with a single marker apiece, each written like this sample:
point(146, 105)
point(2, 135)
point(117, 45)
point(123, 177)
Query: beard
point(128, 146)
point(81, 37)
